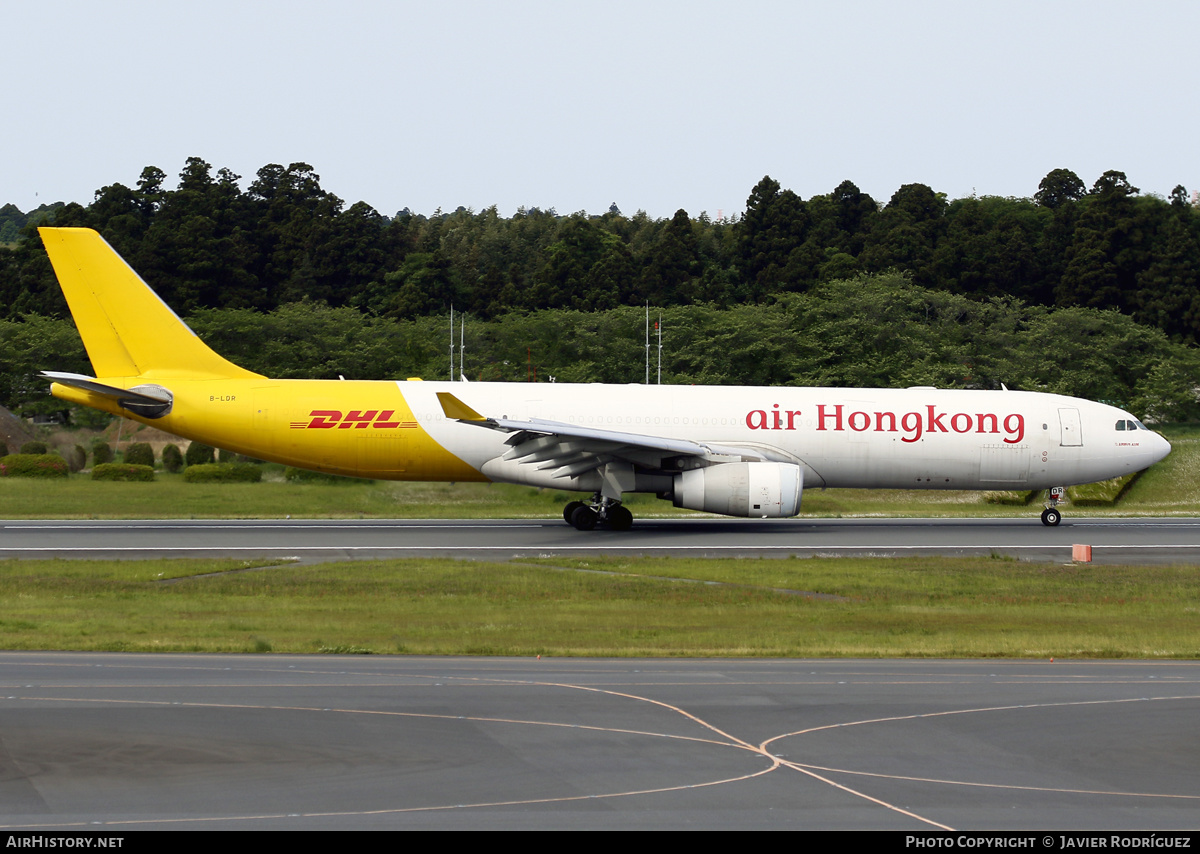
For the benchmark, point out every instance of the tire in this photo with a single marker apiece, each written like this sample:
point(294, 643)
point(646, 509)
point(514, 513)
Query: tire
point(570, 509)
point(1051, 517)
point(584, 518)
point(620, 519)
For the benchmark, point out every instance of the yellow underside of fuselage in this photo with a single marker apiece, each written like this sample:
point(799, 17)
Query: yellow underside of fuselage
point(353, 428)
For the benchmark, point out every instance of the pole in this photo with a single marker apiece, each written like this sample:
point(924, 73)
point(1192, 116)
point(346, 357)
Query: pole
point(647, 342)
point(658, 326)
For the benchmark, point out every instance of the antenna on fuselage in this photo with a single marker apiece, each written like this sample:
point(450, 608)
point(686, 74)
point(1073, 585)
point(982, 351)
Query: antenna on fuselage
point(647, 342)
point(462, 347)
point(658, 327)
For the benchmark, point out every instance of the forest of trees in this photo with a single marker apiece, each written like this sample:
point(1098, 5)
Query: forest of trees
point(1093, 291)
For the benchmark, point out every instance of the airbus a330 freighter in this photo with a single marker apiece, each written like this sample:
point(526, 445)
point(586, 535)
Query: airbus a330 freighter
point(736, 451)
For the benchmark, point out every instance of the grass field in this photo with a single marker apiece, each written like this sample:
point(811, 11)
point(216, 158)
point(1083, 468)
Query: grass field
point(652, 607)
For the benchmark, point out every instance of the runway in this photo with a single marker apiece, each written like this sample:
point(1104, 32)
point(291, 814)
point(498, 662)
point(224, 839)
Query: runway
point(1144, 540)
point(111, 742)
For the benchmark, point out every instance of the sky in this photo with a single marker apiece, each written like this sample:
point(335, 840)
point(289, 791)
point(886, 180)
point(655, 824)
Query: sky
point(651, 105)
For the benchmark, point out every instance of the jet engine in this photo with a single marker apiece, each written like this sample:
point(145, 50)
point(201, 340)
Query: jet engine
point(741, 489)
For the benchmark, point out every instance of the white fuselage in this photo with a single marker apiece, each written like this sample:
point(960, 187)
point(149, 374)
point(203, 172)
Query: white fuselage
point(873, 438)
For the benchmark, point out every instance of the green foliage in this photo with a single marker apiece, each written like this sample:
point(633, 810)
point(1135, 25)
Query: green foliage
point(172, 458)
point(140, 454)
point(3, 449)
point(29, 345)
point(33, 465)
point(34, 447)
point(101, 452)
point(199, 454)
point(285, 279)
point(222, 473)
point(881, 330)
point(123, 472)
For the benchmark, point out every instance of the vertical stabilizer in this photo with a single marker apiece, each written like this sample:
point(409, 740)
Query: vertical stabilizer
point(127, 330)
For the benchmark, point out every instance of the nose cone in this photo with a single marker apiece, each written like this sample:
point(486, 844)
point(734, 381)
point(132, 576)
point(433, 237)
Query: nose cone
point(1158, 449)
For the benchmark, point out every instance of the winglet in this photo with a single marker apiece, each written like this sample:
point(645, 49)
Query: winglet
point(456, 409)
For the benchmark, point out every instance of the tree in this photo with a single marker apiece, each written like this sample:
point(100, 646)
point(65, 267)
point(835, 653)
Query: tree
point(773, 228)
point(1059, 187)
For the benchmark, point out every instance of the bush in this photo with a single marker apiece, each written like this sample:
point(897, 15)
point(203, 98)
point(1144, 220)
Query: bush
point(224, 456)
point(172, 458)
point(222, 473)
point(295, 475)
point(140, 454)
point(34, 448)
point(123, 471)
point(33, 465)
point(75, 456)
point(3, 450)
point(101, 452)
point(198, 454)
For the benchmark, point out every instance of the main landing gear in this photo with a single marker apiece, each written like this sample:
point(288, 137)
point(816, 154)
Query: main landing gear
point(599, 511)
point(1051, 515)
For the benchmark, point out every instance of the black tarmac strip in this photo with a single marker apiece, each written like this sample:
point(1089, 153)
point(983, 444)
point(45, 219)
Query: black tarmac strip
point(110, 743)
point(1145, 540)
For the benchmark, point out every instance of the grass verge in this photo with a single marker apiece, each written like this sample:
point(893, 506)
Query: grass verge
point(911, 607)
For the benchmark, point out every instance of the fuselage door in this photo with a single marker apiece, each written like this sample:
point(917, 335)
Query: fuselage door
point(1072, 434)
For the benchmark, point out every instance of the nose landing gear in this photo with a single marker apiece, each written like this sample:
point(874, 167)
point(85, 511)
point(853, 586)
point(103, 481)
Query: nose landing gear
point(1051, 516)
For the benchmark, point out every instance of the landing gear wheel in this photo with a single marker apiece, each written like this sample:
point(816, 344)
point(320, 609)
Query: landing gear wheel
point(570, 509)
point(1051, 517)
point(619, 519)
point(584, 518)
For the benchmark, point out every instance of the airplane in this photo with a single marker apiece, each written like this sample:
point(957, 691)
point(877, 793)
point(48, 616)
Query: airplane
point(734, 451)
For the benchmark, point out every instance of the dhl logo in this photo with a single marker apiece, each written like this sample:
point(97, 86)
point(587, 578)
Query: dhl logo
point(326, 419)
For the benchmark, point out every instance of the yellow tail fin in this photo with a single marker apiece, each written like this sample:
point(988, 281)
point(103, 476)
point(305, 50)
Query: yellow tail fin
point(127, 329)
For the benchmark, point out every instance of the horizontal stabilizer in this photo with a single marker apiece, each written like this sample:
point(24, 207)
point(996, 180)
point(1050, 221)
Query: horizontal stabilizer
point(150, 401)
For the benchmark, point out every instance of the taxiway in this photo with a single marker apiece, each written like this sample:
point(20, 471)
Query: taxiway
point(1142, 540)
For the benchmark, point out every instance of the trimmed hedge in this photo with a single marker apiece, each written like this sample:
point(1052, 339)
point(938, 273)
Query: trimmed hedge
point(140, 454)
point(101, 452)
point(172, 458)
point(199, 454)
point(222, 473)
point(33, 465)
point(34, 447)
point(123, 471)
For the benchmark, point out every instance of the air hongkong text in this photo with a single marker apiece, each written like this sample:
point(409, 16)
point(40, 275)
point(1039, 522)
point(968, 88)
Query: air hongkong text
point(913, 425)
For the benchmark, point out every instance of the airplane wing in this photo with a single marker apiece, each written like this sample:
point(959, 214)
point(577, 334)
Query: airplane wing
point(571, 450)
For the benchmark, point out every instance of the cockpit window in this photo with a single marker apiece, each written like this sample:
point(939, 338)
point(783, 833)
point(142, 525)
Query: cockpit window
point(1121, 424)
point(1140, 425)
point(1131, 425)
